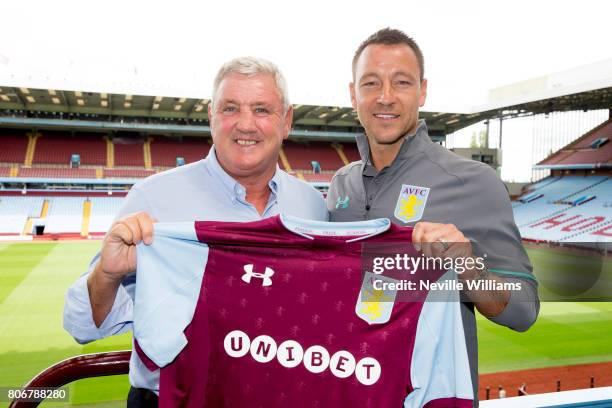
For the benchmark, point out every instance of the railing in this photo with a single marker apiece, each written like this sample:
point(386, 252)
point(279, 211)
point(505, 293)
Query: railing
point(77, 368)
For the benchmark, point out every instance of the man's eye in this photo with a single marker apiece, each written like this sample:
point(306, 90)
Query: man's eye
point(403, 83)
point(229, 109)
point(369, 83)
point(261, 110)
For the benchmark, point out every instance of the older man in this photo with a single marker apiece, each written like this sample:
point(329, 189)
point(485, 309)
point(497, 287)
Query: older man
point(457, 207)
point(239, 180)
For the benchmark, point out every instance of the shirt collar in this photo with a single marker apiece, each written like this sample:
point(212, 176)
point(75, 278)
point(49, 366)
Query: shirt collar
point(411, 145)
point(229, 184)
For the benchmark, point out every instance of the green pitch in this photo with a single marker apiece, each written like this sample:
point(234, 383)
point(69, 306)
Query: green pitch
point(35, 276)
point(565, 332)
point(33, 280)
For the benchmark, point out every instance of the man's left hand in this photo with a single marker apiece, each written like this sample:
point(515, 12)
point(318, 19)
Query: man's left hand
point(440, 240)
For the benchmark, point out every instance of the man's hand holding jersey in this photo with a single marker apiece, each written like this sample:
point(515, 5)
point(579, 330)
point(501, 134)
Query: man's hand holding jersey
point(446, 241)
point(117, 259)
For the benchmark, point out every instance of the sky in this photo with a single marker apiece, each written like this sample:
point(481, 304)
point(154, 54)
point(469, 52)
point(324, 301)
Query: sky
point(174, 48)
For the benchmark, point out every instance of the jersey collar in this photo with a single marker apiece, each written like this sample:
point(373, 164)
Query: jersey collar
point(357, 231)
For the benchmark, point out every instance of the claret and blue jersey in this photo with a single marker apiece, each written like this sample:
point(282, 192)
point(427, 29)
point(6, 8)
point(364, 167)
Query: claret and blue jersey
point(277, 313)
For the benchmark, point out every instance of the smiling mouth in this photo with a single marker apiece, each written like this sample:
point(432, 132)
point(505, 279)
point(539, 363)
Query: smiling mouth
point(386, 116)
point(243, 142)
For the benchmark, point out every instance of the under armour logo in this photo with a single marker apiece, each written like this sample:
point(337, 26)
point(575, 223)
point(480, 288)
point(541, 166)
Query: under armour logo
point(342, 203)
point(266, 276)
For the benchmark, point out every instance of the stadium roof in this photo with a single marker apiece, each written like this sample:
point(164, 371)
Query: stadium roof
point(48, 108)
point(26, 106)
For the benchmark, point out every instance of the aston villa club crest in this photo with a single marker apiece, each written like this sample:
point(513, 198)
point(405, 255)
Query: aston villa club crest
point(375, 301)
point(411, 203)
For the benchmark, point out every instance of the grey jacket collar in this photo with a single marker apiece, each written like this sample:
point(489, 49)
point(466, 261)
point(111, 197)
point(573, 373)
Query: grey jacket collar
point(413, 143)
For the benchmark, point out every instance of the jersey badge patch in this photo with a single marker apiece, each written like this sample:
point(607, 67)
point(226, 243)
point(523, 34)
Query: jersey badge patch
point(375, 302)
point(411, 203)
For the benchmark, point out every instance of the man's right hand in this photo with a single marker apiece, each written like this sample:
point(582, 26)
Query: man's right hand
point(118, 255)
point(117, 259)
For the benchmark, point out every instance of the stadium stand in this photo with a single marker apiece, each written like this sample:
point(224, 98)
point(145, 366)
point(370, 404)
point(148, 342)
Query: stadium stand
point(351, 151)
point(13, 148)
point(5, 171)
point(129, 152)
point(164, 151)
point(571, 208)
point(553, 194)
point(12, 223)
point(65, 215)
point(127, 173)
point(56, 172)
point(594, 148)
point(300, 155)
point(572, 205)
point(57, 148)
point(318, 178)
point(582, 221)
point(544, 182)
point(103, 211)
point(15, 210)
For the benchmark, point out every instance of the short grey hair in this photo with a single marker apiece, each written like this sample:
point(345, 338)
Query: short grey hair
point(250, 66)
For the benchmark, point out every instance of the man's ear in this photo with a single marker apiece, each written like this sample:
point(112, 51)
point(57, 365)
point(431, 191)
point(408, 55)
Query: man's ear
point(423, 94)
point(352, 91)
point(288, 121)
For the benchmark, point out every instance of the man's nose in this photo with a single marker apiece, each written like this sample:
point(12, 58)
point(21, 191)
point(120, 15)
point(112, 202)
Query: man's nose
point(386, 94)
point(246, 122)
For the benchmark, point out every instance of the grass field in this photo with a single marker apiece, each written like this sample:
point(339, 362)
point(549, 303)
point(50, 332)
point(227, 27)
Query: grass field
point(35, 276)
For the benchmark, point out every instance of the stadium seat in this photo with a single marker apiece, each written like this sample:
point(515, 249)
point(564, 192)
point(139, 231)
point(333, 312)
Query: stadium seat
point(350, 151)
point(13, 148)
point(571, 208)
point(300, 155)
point(164, 151)
point(58, 148)
point(15, 210)
point(128, 173)
point(592, 148)
point(129, 152)
point(57, 172)
point(318, 177)
point(65, 215)
point(103, 212)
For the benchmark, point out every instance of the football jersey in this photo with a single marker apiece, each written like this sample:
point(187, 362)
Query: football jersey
point(281, 313)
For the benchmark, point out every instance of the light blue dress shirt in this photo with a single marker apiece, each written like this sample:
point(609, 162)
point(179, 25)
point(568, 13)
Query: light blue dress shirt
point(200, 191)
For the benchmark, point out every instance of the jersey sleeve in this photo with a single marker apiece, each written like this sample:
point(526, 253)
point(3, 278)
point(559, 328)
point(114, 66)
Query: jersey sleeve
point(440, 370)
point(506, 257)
point(170, 273)
point(78, 319)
